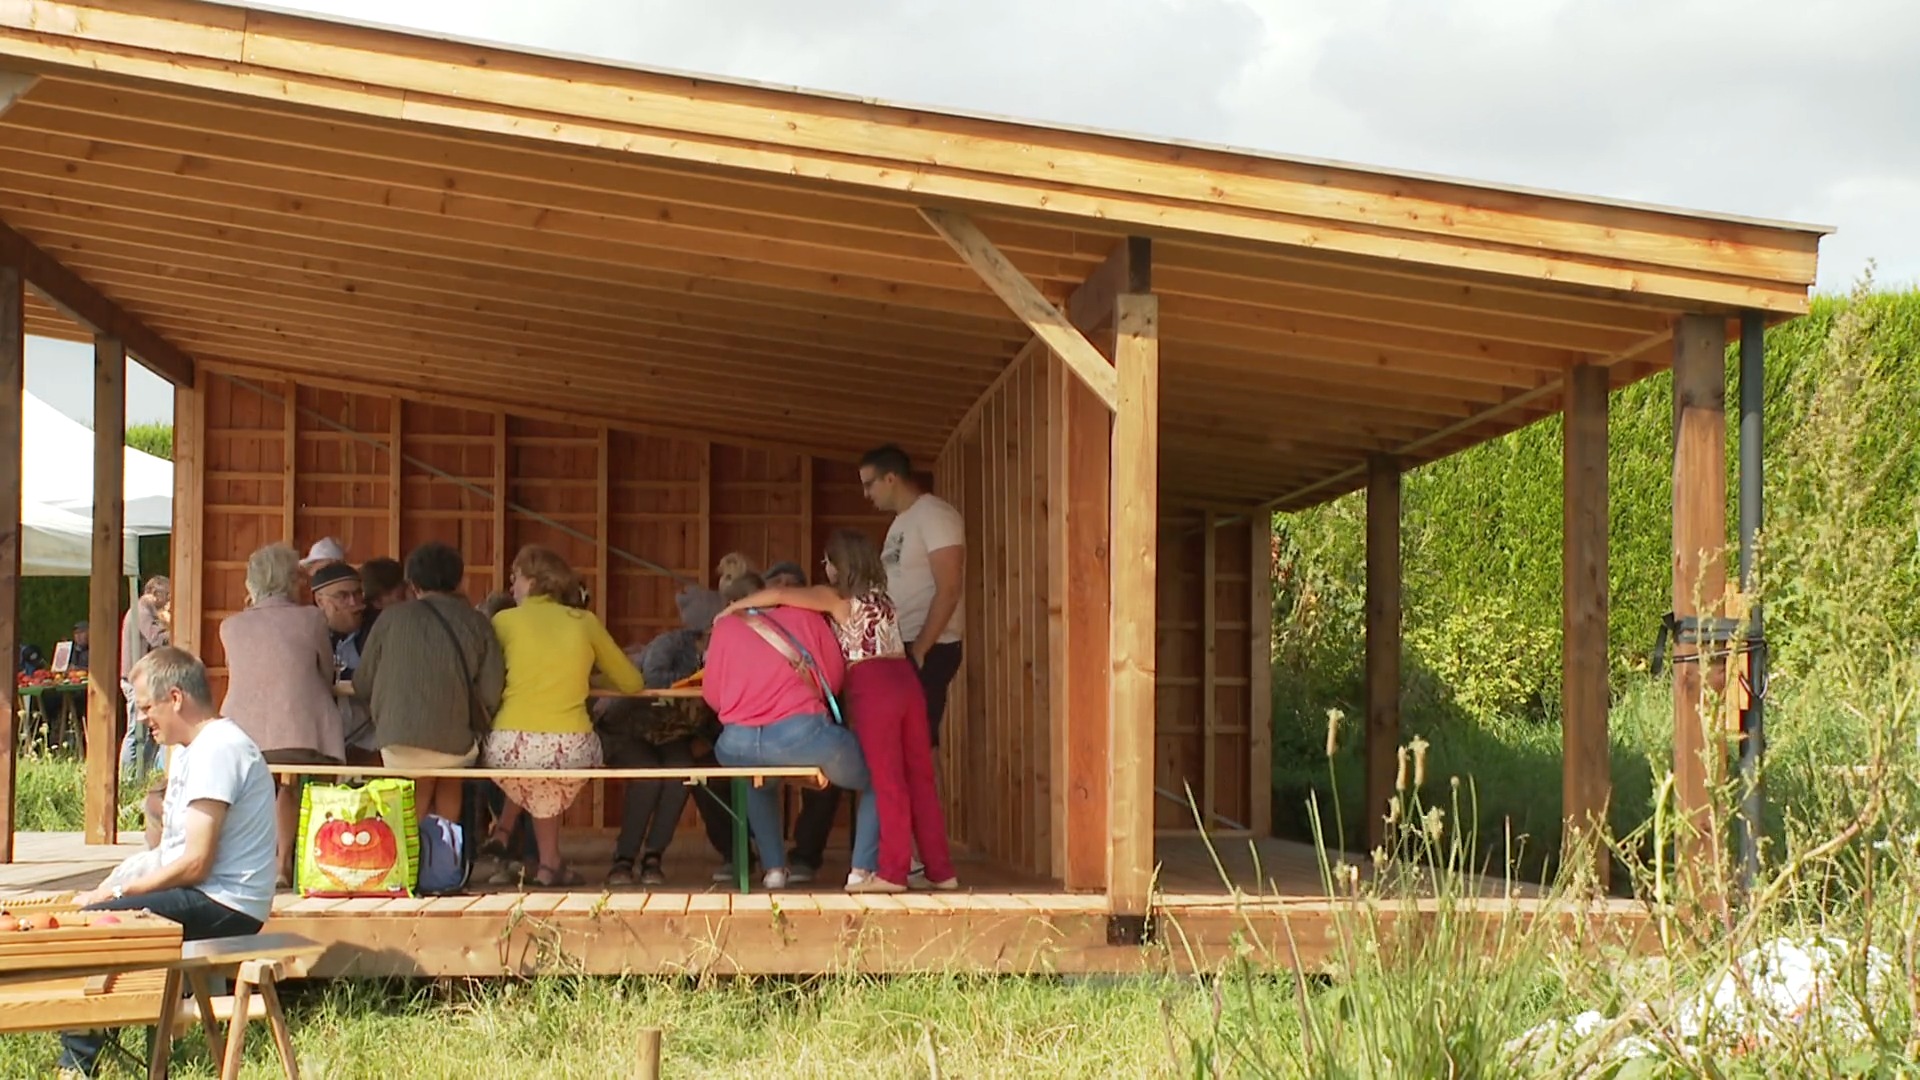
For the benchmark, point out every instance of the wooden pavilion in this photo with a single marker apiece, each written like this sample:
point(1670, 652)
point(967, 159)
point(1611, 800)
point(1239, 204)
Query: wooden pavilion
point(409, 288)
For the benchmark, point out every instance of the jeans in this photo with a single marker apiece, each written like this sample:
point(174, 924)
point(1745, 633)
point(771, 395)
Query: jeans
point(200, 917)
point(807, 739)
point(139, 753)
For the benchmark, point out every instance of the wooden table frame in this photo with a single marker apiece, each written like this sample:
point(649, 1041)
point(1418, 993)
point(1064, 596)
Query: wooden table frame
point(742, 777)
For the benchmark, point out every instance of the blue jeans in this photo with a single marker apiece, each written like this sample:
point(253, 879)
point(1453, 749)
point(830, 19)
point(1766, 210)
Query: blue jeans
point(200, 917)
point(807, 739)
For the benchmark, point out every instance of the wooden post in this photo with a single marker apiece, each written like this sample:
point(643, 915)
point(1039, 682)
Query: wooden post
point(502, 557)
point(1586, 772)
point(290, 464)
point(1699, 585)
point(1080, 440)
point(1209, 672)
point(1136, 461)
point(188, 544)
point(13, 369)
point(102, 798)
point(1383, 640)
point(396, 451)
point(1260, 674)
point(648, 1065)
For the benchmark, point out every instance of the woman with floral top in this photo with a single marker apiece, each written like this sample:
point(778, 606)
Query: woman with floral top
point(885, 707)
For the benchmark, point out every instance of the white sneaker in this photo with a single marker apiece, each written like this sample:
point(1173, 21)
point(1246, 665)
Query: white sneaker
point(873, 883)
point(856, 875)
point(775, 879)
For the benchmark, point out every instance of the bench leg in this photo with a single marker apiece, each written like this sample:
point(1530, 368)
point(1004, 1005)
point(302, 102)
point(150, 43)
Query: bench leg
point(162, 1054)
point(203, 997)
point(277, 1022)
point(237, 1030)
point(742, 862)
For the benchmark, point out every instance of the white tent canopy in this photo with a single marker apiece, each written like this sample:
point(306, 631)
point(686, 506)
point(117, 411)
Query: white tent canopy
point(58, 474)
point(59, 543)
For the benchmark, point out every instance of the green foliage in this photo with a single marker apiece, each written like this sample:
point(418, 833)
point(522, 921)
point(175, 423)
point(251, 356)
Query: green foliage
point(155, 439)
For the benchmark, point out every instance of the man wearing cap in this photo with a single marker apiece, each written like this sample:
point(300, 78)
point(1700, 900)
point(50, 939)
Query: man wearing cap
point(77, 656)
point(340, 596)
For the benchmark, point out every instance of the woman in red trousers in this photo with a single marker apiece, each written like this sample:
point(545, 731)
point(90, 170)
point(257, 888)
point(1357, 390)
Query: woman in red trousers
point(886, 708)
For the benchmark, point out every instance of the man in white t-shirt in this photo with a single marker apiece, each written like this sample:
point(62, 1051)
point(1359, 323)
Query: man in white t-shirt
point(924, 555)
point(213, 871)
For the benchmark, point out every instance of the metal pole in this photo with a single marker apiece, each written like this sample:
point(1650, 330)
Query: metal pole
point(1753, 716)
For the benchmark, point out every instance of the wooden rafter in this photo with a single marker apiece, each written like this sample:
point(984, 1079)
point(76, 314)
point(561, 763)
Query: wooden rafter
point(1047, 322)
point(86, 305)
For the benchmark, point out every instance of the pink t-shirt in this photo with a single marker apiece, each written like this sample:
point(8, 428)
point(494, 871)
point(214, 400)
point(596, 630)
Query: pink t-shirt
point(749, 683)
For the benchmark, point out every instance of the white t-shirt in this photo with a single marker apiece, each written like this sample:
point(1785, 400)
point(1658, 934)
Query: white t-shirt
point(930, 524)
point(224, 765)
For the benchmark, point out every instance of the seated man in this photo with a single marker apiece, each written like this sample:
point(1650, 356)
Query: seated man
point(214, 869)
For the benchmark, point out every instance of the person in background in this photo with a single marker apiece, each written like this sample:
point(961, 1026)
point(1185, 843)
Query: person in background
point(325, 550)
point(213, 869)
point(431, 676)
point(495, 603)
point(772, 713)
point(342, 598)
point(551, 652)
point(699, 605)
point(280, 677)
point(80, 654)
point(785, 575)
point(147, 625)
point(385, 583)
point(885, 707)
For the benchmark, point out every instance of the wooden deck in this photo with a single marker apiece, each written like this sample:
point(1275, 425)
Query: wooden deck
point(1001, 922)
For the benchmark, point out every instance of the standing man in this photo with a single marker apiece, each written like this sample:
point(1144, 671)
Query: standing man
point(925, 555)
point(146, 626)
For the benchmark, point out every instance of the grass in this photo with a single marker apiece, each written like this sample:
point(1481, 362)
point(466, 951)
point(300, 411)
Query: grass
point(52, 795)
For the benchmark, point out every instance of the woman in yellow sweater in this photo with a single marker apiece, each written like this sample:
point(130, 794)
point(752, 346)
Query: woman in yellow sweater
point(551, 652)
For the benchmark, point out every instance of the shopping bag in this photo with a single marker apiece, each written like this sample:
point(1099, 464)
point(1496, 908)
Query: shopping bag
point(358, 840)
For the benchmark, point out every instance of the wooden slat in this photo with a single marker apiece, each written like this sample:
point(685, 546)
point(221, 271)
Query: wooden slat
point(1260, 673)
point(395, 451)
point(102, 800)
point(290, 435)
point(13, 370)
point(1209, 663)
point(188, 543)
point(1082, 673)
point(502, 555)
point(1383, 642)
point(84, 304)
point(1699, 589)
point(1585, 757)
point(602, 493)
point(1135, 543)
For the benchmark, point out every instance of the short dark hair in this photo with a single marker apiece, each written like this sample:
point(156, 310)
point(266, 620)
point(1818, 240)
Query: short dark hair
point(888, 460)
point(435, 567)
point(380, 576)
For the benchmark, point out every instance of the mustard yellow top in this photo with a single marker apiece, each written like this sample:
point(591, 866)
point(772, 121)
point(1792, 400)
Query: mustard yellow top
point(551, 651)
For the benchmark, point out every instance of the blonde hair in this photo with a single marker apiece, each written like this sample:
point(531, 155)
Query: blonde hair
point(733, 566)
point(547, 574)
point(272, 571)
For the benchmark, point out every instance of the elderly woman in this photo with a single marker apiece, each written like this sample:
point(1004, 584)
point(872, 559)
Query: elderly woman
point(280, 676)
point(551, 653)
point(432, 675)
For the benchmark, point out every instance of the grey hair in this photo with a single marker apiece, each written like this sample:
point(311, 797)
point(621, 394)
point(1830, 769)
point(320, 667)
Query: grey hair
point(169, 668)
point(272, 571)
point(158, 588)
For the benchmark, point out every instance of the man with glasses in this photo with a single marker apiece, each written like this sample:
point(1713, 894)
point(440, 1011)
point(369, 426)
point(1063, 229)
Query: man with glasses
point(342, 598)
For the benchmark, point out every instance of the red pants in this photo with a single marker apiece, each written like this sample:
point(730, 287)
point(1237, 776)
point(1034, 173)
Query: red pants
point(887, 710)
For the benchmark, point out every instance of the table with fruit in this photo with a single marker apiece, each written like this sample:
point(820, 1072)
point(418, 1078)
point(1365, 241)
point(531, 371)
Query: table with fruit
point(40, 937)
point(69, 688)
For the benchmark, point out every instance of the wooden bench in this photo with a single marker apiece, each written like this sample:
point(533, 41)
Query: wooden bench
point(150, 995)
point(742, 779)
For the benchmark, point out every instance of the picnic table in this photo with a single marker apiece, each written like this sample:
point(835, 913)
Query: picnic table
point(742, 777)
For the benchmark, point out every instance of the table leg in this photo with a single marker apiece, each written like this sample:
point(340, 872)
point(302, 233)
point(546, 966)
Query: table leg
point(742, 862)
point(277, 1021)
point(237, 1030)
point(203, 998)
point(163, 1030)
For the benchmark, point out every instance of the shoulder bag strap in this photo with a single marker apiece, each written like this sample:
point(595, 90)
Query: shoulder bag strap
point(476, 711)
point(796, 656)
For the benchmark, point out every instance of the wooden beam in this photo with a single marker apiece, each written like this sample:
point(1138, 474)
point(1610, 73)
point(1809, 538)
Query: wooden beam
point(290, 463)
point(396, 452)
point(1586, 770)
point(14, 85)
point(13, 370)
point(1209, 669)
point(86, 305)
point(189, 499)
point(1012, 287)
point(502, 557)
point(102, 798)
point(1260, 673)
point(1383, 641)
point(704, 574)
point(602, 534)
point(1127, 269)
point(1136, 462)
point(1699, 587)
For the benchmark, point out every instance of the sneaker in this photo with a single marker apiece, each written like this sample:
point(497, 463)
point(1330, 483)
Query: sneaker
point(775, 879)
point(724, 875)
point(873, 883)
point(650, 871)
point(857, 875)
point(800, 873)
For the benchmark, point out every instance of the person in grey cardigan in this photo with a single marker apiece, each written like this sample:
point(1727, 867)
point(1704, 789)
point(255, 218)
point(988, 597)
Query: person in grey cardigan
point(432, 674)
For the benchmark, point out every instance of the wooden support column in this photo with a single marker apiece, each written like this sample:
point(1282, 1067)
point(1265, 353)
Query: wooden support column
point(705, 569)
point(1586, 771)
point(290, 464)
point(396, 454)
point(805, 554)
point(13, 370)
point(502, 557)
point(1260, 674)
point(102, 798)
point(1209, 672)
point(602, 535)
point(1383, 641)
point(189, 498)
point(1699, 586)
point(1080, 432)
point(1136, 461)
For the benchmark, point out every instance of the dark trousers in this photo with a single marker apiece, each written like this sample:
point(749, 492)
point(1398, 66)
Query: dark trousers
point(819, 808)
point(199, 916)
point(652, 808)
point(714, 801)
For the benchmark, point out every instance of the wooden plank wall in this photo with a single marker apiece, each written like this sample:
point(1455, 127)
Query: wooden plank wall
point(1204, 704)
point(275, 472)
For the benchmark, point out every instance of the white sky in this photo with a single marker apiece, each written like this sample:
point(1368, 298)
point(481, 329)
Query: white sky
point(1807, 110)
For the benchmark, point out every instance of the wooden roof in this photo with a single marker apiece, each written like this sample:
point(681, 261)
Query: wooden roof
point(444, 218)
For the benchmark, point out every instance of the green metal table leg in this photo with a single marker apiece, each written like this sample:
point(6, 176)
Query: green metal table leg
point(742, 864)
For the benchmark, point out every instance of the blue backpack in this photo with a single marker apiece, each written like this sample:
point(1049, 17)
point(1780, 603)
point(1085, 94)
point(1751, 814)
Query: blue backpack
point(444, 865)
